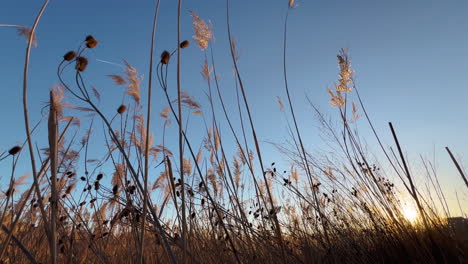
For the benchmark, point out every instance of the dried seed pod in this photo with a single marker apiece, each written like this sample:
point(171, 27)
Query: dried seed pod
point(99, 176)
point(165, 57)
point(9, 192)
point(121, 109)
point(14, 150)
point(184, 44)
point(115, 189)
point(91, 42)
point(132, 189)
point(81, 63)
point(69, 55)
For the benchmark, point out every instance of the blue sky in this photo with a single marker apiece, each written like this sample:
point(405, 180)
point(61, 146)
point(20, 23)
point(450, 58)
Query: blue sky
point(409, 57)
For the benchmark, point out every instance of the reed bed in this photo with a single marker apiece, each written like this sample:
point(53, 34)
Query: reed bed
point(153, 202)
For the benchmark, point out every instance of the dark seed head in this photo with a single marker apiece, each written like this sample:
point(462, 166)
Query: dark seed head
point(184, 44)
point(14, 150)
point(115, 189)
point(121, 109)
point(165, 57)
point(69, 55)
point(91, 42)
point(81, 63)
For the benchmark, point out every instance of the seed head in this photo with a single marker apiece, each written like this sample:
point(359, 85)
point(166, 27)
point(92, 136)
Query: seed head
point(184, 44)
point(14, 150)
point(165, 57)
point(69, 55)
point(91, 42)
point(121, 109)
point(81, 63)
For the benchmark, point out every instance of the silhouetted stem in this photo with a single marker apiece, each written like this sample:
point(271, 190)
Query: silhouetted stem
point(458, 166)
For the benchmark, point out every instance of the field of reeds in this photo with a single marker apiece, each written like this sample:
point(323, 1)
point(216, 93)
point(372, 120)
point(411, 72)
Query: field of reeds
point(144, 201)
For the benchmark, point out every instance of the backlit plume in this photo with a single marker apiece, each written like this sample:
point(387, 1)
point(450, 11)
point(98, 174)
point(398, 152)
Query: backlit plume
point(203, 32)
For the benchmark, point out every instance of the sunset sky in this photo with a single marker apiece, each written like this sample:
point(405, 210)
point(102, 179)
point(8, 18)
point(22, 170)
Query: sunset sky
point(410, 59)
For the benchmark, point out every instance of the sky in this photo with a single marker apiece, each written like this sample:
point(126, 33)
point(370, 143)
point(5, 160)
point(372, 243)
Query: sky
point(409, 58)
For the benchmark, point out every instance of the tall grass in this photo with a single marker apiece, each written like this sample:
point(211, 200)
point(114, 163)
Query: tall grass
point(204, 206)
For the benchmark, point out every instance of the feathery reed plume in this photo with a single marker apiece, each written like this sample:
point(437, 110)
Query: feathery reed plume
point(336, 100)
point(345, 81)
point(165, 112)
point(292, 4)
point(203, 32)
point(346, 74)
point(280, 103)
point(118, 79)
point(58, 95)
point(133, 85)
point(27, 32)
point(206, 71)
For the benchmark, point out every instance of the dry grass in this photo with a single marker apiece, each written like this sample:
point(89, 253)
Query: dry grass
point(205, 206)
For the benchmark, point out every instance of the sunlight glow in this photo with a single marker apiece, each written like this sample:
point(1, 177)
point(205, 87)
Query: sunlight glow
point(410, 213)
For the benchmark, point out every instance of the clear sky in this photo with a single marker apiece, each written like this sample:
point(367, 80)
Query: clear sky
point(410, 59)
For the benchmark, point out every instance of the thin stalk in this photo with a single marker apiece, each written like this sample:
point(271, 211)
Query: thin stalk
point(254, 135)
point(303, 153)
point(458, 166)
point(26, 121)
point(413, 189)
point(53, 155)
point(148, 123)
point(181, 148)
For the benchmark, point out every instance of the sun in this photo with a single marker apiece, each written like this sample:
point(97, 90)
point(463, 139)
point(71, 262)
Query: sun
point(410, 213)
